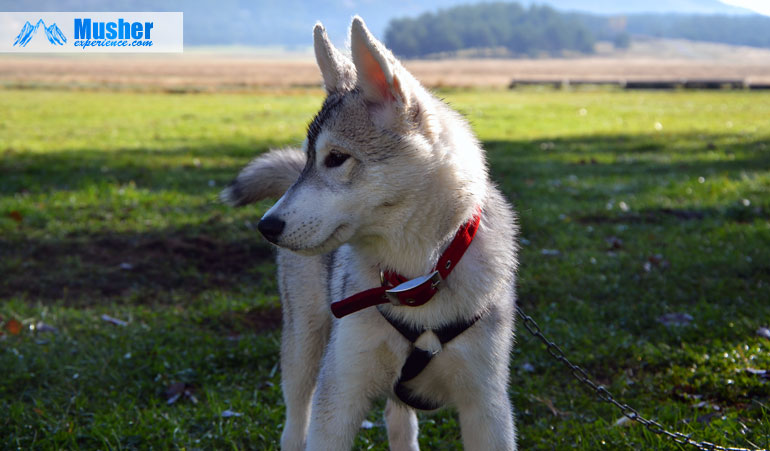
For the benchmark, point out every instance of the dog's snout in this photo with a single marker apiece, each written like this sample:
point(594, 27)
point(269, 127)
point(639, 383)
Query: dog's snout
point(271, 227)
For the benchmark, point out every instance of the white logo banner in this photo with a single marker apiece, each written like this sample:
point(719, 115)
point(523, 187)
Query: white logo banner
point(95, 32)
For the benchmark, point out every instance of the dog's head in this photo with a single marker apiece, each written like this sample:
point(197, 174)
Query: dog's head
point(371, 151)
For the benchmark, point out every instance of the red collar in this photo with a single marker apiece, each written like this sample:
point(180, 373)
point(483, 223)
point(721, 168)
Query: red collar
point(397, 290)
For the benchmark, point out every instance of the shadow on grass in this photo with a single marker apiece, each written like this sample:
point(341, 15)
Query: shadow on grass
point(152, 169)
point(136, 266)
point(633, 155)
point(595, 155)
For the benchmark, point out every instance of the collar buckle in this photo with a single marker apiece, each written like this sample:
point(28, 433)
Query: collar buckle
point(414, 292)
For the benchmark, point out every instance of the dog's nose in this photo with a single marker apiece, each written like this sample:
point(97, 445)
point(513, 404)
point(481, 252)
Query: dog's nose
point(271, 227)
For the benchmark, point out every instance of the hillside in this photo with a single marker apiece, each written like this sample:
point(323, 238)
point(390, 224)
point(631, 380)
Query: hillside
point(603, 7)
point(289, 22)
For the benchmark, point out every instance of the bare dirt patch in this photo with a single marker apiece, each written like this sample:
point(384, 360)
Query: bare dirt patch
point(141, 268)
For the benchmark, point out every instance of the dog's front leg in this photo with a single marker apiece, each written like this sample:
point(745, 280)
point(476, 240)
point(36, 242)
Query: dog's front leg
point(302, 344)
point(481, 397)
point(402, 427)
point(487, 423)
point(340, 404)
point(481, 390)
point(306, 329)
point(357, 367)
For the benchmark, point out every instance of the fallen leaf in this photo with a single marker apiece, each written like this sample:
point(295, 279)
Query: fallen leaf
point(764, 374)
point(614, 243)
point(115, 321)
point(675, 319)
point(16, 216)
point(705, 405)
point(657, 261)
point(548, 403)
point(624, 421)
point(706, 419)
point(174, 392)
point(179, 390)
point(13, 327)
point(173, 398)
point(43, 327)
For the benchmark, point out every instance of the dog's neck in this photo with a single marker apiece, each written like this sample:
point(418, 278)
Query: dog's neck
point(412, 247)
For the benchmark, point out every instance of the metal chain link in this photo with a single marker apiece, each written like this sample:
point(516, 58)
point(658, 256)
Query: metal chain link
point(628, 411)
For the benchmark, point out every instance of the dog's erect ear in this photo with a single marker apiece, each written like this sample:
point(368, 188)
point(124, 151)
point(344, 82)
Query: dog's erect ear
point(380, 76)
point(338, 72)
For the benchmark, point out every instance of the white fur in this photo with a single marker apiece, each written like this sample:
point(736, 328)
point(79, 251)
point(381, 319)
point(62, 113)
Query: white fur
point(414, 175)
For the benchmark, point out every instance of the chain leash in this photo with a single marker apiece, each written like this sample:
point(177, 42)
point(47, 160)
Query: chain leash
point(603, 394)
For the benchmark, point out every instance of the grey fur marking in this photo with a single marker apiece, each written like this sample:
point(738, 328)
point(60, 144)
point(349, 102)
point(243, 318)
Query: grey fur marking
point(330, 106)
point(329, 261)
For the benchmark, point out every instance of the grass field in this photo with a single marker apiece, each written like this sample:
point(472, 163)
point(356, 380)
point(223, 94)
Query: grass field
point(632, 206)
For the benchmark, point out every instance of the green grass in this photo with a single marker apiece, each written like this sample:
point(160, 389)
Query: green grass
point(107, 206)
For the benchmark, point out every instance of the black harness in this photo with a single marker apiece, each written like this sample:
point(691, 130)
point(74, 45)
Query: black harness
point(419, 358)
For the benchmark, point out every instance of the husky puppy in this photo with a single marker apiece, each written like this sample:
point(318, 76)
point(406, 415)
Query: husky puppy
point(387, 176)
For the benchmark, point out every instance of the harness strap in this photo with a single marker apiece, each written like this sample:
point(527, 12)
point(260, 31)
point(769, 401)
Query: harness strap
point(418, 359)
point(412, 400)
point(411, 333)
point(415, 363)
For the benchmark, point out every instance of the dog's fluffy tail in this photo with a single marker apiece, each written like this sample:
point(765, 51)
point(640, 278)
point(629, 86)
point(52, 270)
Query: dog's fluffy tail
point(267, 176)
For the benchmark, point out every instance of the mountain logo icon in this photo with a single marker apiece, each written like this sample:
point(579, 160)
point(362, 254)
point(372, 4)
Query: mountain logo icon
point(53, 33)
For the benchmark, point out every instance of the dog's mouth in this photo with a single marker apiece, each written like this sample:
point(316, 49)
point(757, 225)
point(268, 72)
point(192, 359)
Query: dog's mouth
point(338, 237)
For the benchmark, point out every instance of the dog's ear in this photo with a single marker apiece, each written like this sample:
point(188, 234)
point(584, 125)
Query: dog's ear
point(338, 71)
point(380, 77)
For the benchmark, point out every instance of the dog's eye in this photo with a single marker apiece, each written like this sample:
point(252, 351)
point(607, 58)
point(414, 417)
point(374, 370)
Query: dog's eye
point(335, 158)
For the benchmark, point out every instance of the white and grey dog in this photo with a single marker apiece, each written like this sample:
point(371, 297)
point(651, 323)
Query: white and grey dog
point(387, 176)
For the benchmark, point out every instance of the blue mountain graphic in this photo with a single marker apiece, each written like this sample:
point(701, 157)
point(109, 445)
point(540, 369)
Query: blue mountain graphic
point(53, 33)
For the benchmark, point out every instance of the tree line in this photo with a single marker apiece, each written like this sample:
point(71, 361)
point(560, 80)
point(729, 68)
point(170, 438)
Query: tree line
point(520, 30)
point(539, 29)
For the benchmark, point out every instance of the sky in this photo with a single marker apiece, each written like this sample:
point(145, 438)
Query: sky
point(760, 6)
